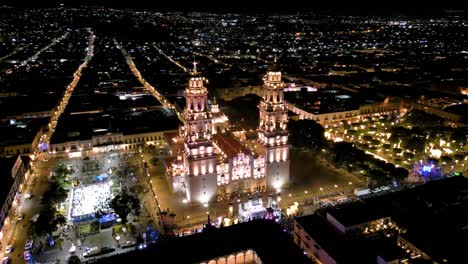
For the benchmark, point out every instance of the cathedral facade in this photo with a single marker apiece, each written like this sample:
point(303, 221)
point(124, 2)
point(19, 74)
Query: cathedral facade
point(209, 162)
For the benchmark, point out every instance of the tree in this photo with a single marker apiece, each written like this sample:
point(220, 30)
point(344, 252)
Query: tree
point(74, 259)
point(347, 153)
point(55, 194)
point(397, 150)
point(48, 221)
point(378, 176)
point(415, 144)
point(154, 161)
point(422, 119)
point(433, 161)
point(399, 174)
point(459, 156)
point(125, 204)
point(408, 155)
point(375, 142)
point(460, 135)
point(446, 159)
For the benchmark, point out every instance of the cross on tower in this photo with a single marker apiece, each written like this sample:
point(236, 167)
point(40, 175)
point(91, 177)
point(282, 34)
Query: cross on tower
point(195, 67)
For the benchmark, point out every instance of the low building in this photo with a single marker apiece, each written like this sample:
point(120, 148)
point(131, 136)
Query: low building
point(20, 136)
point(386, 107)
point(14, 172)
point(424, 224)
point(259, 241)
point(82, 134)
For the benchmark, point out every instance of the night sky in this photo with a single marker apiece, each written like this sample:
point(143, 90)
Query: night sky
point(340, 7)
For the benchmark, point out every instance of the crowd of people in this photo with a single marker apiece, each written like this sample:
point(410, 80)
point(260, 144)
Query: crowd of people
point(87, 198)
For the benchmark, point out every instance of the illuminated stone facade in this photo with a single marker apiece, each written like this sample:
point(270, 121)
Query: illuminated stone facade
point(207, 164)
point(199, 157)
point(273, 133)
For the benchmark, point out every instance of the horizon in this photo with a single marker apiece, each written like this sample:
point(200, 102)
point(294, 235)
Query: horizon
point(298, 7)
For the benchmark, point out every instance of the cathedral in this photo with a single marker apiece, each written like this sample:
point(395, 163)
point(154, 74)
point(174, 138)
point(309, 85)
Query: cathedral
point(209, 162)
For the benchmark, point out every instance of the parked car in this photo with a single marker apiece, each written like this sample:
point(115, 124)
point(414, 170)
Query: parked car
point(29, 244)
point(5, 260)
point(20, 217)
point(9, 249)
point(129, 244)
point(27, 255)
point(89, 252)
point(105, 250)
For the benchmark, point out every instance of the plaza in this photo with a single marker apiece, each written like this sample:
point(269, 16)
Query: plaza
point(85, 199)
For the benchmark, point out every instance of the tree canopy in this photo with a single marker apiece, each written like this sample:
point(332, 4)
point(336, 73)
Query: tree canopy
point(48, 221)
point(125, 204)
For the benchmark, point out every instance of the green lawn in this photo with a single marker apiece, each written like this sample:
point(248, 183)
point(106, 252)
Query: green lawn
point(88, 228)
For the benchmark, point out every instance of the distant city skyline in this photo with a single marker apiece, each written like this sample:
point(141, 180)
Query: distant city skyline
point(335, 8)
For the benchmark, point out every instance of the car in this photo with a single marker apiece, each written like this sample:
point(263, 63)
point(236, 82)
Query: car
point(5, 260)
point(29, 244)
point(28, 195)
point(20, 217)
point(9, 249)
point(129, 244)
point(27, 255)
point(89, 252)
point(105, 250)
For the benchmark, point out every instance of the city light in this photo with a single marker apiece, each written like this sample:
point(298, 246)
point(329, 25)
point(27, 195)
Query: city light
point(294, 102)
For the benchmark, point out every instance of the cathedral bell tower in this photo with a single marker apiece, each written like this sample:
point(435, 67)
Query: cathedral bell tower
point(273, 133)
point(199, 155)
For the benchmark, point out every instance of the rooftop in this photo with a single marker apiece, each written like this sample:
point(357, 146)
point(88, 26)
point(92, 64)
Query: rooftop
point(127, 122)
point(432, 216)
point(265, 237)
point(229, 145)
point(359, 212)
